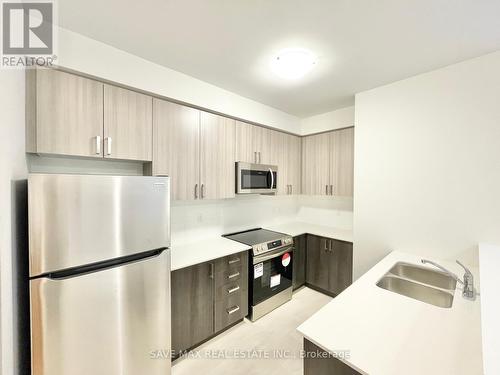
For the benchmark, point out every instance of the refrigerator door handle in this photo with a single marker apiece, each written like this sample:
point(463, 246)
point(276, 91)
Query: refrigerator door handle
point(100, 266)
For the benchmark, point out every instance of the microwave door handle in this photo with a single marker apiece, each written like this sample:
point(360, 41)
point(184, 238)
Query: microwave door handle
point(272, 177)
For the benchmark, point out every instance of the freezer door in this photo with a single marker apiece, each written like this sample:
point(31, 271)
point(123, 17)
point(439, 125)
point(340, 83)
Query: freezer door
point(81, 219)
point(112, 322)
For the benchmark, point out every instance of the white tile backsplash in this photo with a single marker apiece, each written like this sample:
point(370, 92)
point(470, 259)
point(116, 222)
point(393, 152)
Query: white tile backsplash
point(196, 220)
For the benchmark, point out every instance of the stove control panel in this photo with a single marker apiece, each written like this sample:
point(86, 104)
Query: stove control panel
point(265, 247)
point(274, 244)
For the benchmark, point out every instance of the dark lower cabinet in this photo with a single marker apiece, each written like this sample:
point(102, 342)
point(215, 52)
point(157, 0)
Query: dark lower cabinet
point(319, 362)
point(317, 273)
point(207, 298)
point(299, 261)
point(192, 306)
point(340, 266)
point(329, 264)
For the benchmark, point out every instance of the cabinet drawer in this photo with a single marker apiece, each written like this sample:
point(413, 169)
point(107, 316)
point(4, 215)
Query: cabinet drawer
point(235, 262)
point(230, 275)
point(231, 309)
point(231, 269)
point(230, 289)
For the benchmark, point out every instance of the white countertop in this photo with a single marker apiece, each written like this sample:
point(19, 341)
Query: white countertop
point(204, 250)
point(489, 261)
point(390, 334)
point(296, 228)
point(216, 246)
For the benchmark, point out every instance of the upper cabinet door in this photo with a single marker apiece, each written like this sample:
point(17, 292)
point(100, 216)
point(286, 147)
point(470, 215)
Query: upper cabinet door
point(316, 164)
point(269, 146)
point(217, 156)
point(176, 134)
point(65, 114)
point(128, 124)
point(248, 142)
point(342, 162)
point(276, 155)
point(293, 155)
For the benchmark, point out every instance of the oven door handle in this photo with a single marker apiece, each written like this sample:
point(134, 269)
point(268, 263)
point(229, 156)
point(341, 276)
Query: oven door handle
point(264, 257)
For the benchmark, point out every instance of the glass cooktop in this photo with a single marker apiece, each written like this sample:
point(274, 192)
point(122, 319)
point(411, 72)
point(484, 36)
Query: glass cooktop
point(255, 236)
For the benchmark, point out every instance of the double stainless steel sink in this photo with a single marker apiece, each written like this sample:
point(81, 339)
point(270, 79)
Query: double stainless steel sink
point(421, 283)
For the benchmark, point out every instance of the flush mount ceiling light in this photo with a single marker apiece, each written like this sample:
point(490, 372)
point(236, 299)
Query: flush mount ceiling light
point(293, 63)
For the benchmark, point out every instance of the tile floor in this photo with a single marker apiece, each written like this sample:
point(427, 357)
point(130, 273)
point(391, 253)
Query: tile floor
point(262, 343)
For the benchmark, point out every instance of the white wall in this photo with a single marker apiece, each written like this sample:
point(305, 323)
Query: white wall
point(88, 56)
point(427, 164)
point(338, 119)
point(13, 217)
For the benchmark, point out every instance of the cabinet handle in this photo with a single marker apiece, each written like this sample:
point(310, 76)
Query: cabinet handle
point(109, 143)
point(211, 270)
point(325, 247)
point(232, 290)
point(291, 189)
point(98, 144)
point(233, 261)
point(255, 157)
point(331, 189)
point(202, 191)
point(196, 191)
point(232, 310)
point(326, 191)
point(331, 246)
point(232, 276)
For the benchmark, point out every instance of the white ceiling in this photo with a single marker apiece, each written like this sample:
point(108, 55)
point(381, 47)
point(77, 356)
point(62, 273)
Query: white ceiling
point(361, 44)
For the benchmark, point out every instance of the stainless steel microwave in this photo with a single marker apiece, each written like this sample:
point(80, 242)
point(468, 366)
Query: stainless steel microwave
point(256, 178)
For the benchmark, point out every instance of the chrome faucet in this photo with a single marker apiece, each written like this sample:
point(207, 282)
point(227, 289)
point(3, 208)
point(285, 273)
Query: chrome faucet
point(468, 291)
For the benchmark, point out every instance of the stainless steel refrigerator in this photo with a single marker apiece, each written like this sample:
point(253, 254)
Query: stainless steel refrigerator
point(99, 274)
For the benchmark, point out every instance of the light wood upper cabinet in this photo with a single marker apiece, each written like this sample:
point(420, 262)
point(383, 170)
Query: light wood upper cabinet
point(196, 149)
point(328, 163)
point(276, 155)
point(267, 148)
point(253, 143)
point(248, 141)
point(128, 124)
point(64, 114)
point(285, 152)
point(316, 164)
point(342, 162)
point(293, 163)
point(217, 156)
point(176, 147)
point(67, 114)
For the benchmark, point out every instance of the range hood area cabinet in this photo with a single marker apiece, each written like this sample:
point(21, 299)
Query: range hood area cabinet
point(196, 149)
point(72, 115)
point(258, 145)
point(328, 163)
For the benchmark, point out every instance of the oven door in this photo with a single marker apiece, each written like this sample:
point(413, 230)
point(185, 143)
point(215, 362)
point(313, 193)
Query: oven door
point(256, 178)
point(270, 274)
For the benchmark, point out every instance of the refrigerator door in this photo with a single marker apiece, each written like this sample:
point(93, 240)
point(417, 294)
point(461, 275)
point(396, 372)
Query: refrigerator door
point(115, 321)
point(82, 219)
